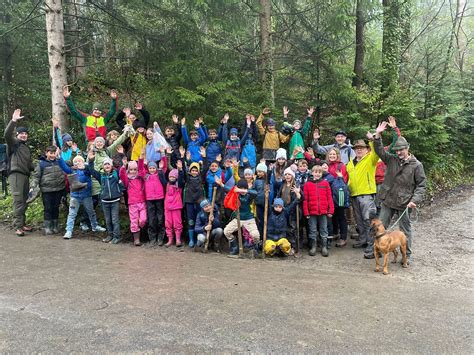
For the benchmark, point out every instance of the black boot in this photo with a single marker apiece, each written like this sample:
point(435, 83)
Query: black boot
point(312, 245)
point(55, 226)
point(160, 241)
point(47, 227)
point(75, 184)
point(233, 249)
point(324, 250)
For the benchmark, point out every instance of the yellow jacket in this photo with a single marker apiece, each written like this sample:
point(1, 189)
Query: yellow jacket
point(271, 140)
point(362, 175)
point(138, 144)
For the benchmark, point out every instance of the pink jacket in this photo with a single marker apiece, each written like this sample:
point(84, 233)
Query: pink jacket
point(135, 187)
point(174, 197)
point(153, 188)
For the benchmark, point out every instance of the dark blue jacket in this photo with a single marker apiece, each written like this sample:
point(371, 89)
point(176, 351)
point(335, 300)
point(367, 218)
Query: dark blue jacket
point(259, 186)
point(328, 177)
point(83, 175)
point(278, 222)
point(111, 185)
point(202, 220)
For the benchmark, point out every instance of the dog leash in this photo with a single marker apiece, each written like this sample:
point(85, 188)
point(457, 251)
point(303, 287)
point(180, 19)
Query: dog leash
point(414, 217)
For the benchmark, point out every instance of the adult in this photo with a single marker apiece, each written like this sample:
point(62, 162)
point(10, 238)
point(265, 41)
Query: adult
point(362, 187)
point(20, 166)
point(94, 123)
point(404, 184)
point(347, 153)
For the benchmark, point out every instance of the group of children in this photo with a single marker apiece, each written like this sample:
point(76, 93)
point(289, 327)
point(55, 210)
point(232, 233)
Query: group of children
point(207, 180)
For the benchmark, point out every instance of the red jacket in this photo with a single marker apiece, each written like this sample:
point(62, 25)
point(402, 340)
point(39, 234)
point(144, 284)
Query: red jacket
point(380, 172)
point(337, 165)
point(317, 198)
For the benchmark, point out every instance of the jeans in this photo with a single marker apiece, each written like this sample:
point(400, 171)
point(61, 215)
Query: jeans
point(386, 214)
point(51, 202)
point(111, 214)
point(83, 216)
point(215, 236)
point(314, 222)
point(74, 205)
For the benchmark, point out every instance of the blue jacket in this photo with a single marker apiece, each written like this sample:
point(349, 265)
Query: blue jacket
point(194, 146)
point(328, 177)
point(249, 151)
point(111, 185)
point(214, 147)
point(202, 220)
point(278, 222)
point(83, 175)
point(259, 186)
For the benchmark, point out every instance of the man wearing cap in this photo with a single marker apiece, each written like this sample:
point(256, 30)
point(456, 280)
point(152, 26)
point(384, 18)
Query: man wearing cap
point(347, 153)
point(271, 137)
point(20, 166)
point(404, 184)
point(361, 171)
point(206, 223)
point(94, 123)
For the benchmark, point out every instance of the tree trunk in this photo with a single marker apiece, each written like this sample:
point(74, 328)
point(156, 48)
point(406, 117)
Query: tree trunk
point(110, 52)
point(359, 49)
point(405, 39)
point(266, 68)
point(56, 57)
point(6, 55)
point(390, 46)
point(77, 54)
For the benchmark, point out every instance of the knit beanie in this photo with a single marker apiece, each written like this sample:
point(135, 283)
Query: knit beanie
point(21, 130)
point(289, 171)
point(132, 164)
point(296, 121)
point(204, 203)
point(262, 167)
point(195, 165)
point(97, 106)
point(107, 161)
point(99, 139)
point(233, 131)
point(271, 122)
point(281, 153)
point(152, 164)
point(278, 202)
point(248, 171)
point(174, 173)
point(66, 137)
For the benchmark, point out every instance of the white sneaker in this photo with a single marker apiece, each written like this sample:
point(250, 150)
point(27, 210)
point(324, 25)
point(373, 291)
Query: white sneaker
point(84, 227)
point(68, 235)
point(99, 229)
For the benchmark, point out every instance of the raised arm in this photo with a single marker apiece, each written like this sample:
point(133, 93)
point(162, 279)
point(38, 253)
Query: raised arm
point(78, 115)
point(113, 106)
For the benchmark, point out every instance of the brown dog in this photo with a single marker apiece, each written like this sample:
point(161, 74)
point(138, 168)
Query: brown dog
point(386, 242)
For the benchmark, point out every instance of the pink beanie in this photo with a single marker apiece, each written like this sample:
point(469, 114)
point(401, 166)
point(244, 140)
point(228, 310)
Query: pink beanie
point(174, 173)
point(289, 171)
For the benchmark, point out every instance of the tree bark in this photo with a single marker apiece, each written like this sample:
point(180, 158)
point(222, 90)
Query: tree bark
point(77, 54)
point(6, 55)
point(266, 48)
point(390, 46)
point(57, 58)
point(360, 45)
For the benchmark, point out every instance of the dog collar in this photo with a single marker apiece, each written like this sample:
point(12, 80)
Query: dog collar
point(380, 235)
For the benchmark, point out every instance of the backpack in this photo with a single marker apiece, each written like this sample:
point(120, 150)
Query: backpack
point(340, 193)
point(231, 200)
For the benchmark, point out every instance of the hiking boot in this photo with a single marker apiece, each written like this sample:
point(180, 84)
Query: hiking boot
point(341, 243)
point(324, 250)
point(75, 184)
point(359, 244)
point(55, 226)
point(116, 240)
point(369, 256)
point(312, 250)
point(67, 235)
point(99, 229)
point(47, 228)
point(108, 239)
point(136, 239)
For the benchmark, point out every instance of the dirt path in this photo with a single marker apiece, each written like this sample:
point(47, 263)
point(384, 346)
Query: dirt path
point(85, 296)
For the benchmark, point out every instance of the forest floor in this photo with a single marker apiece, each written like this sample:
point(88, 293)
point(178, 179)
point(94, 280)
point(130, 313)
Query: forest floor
point(84, 296)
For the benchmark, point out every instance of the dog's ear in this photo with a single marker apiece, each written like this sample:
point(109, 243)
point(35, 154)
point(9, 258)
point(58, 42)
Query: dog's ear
point(372, 215)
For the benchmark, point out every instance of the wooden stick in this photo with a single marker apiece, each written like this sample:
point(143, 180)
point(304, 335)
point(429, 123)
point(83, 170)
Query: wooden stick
point(211, 214)
point(297, 228)
point(239, 233)
point(265, 220)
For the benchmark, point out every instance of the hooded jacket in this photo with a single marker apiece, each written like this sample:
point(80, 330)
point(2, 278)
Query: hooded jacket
point(19, 154)
point(317, 198)
point(278, 222)
point(174, 192)
point(111, 185)
point(83, 175)
point(49, 176)
point(202, 220)
point(135, 186)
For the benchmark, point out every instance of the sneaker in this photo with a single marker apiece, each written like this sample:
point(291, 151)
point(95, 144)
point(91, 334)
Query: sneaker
point(369, 256)
point(20, 233)
point(99, 229)
point(116, 240)
point(108, 239)
point(27, 229)
point(68, 235)
point(341, 243)
point(84, 227)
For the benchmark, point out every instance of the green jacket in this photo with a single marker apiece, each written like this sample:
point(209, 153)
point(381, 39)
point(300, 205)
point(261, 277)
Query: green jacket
point(297, 140)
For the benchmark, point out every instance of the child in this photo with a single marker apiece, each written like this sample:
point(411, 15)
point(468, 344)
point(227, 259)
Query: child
point(136, 196)
point(156, 144)
point(249, 152)
point(302, 174)
point(271, 137)
point(277, 227)
point(112, 137)
point(173, 137)
point(215, 177)
point(206, 223)
point(288, 194)
point(110, 195)
point(94, 123)
point(232, 146)
point(278, 169)
point(214, 144)
point(81, 196)
point(49, 178)
point(247, 220)
point(173, 203)
point(317, 207)
point(300, 132)
point(193, 193)
point(154, 196)
point(195, 139)
point(260, 185)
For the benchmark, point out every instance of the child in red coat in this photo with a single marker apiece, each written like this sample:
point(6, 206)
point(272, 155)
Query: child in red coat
point(317, 207)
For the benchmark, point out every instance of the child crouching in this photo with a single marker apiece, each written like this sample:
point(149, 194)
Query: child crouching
point(205, 223)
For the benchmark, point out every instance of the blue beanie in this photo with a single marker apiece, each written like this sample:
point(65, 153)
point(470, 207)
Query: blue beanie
point(152, 164)
point(234, 131)
point(204, 203)
point(278, 202)
point(271, 122)
point(66, 137)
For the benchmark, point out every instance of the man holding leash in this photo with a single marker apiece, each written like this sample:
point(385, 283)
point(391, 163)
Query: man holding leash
point(404, 184)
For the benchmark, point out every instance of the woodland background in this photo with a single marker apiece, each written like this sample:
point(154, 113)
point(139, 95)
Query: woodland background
point(356, 61)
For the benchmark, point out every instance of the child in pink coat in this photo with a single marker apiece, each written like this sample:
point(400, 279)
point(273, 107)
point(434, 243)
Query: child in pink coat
point(155, 196)
point(135, 185)
point(173, 203)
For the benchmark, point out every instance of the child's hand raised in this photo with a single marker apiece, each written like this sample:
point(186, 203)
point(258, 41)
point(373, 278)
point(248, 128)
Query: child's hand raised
point(55, 122)
point(219, 158)
point(182, 151)
point(169, 150)
point(175, 119)
point(91, 155)
point(202, 151)
point(138, 106)
point(183, 121)
point(66, 92)
point(113, 94)
point(124, 161)
point(179, 165)
point(161, 165)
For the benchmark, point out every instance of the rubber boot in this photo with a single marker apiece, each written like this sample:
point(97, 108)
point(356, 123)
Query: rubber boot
point(75, 184)
point(191, 238)
point(312, 245)
point(179, 243)
point(55, 226)
point(160, 241)
point(233, 249)
point(170, 242)
point(324, 250)
point(47, 227)
point(136, 239)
